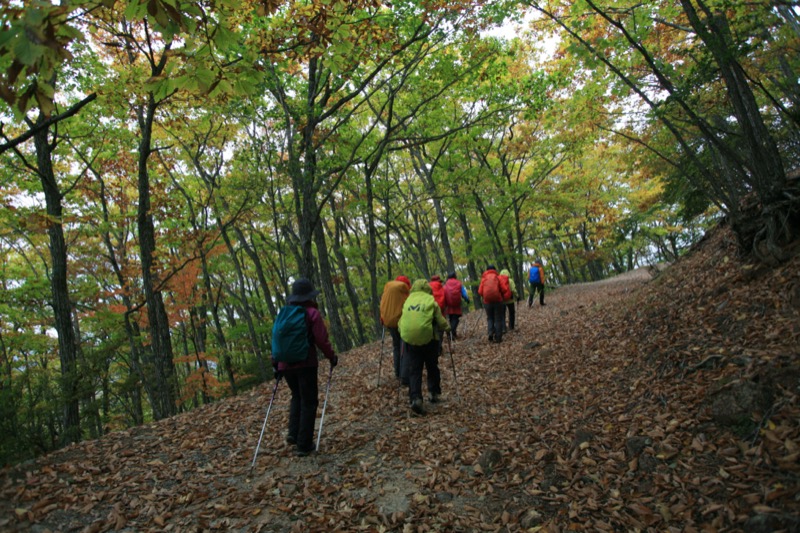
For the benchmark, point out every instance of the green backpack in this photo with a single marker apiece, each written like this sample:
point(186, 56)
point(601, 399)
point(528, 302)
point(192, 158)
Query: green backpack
point(290, 335)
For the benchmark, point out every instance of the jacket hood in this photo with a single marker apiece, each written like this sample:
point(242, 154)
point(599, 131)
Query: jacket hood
point(404, 279)
point(421, 285)
point(505, 272)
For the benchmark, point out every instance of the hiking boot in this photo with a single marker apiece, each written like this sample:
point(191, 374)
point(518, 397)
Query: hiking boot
point(491, 338)
point(303, 452)
point(416, 406)
point(291, 440)
point(436, 397)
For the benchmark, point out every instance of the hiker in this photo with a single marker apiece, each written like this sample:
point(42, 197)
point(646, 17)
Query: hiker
point(301, 376)
point(454, 293)
point(394, 295)
point(438, 295)
point(493, 294)
point(421, 325)
point(536, 282)
point(509, 303)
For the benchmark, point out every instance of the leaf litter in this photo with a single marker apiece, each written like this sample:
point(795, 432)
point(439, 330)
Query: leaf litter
point(639, 403)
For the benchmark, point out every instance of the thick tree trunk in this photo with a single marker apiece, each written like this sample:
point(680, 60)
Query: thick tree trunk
point(162, 367)
point(62, 309)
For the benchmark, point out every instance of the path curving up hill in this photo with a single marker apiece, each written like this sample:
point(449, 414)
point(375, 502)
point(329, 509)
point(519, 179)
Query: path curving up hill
point(633, 404)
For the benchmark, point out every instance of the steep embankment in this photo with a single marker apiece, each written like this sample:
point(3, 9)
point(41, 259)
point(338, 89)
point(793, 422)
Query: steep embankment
point(627, 404)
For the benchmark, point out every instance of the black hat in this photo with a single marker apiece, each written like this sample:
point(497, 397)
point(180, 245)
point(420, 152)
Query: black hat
point(302, 291)
point(451, 275)
point(490, 267)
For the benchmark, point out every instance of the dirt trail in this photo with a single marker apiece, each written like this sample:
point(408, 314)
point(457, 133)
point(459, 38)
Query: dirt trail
point(585, 416)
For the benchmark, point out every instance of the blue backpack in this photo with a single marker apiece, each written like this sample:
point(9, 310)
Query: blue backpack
point(290, 335)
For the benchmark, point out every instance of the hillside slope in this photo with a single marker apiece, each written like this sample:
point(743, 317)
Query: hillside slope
point(630, 404)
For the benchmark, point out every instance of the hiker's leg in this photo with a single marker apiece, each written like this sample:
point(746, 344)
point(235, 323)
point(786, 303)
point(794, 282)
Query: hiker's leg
point(415, 363)
point(294, 405)
point(531, 293)
point(309, 400)
point(489, 310)
point(396, 340)
point(541, 294)
point(512, 312)
point(499, 319)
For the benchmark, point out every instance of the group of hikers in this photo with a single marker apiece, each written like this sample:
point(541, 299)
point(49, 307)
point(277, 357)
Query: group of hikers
point(417, 316)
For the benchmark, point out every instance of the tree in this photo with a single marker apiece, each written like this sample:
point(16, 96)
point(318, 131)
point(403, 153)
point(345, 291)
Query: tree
point(675, 59)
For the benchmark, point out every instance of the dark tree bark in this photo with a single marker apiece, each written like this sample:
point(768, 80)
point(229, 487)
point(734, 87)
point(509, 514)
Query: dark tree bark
point(62, 308)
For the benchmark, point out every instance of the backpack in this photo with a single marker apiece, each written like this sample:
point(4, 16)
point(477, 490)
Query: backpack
point(290, 335)
point(452, 294)
point(533, 274)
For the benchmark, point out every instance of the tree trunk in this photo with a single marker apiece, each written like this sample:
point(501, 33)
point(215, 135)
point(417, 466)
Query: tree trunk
point(245, 307)
point(351, 292)
point(164, 396)
point(331, 302)
point(62, 309)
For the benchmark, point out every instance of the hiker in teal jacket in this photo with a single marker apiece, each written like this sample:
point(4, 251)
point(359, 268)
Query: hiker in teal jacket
point(421, 326)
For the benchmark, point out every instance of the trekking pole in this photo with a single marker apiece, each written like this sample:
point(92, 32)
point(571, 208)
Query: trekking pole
point(453, 363)
point(380, 357)
point(255, 456)
point(324, 406)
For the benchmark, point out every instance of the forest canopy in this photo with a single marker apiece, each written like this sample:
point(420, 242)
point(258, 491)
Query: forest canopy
point(168, 168)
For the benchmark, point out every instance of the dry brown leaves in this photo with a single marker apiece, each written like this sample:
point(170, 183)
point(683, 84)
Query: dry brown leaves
point(597, 413)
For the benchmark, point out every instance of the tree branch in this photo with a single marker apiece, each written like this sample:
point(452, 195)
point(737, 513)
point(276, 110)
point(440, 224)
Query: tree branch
point(46, 124)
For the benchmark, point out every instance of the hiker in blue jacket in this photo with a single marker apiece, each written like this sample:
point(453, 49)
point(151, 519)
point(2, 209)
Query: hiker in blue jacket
point(536, 282)
point(302, 376)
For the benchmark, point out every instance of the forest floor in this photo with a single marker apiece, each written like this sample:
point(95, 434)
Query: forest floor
point(632, 404)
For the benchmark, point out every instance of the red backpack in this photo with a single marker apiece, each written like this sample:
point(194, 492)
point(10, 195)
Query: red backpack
point(452, 293)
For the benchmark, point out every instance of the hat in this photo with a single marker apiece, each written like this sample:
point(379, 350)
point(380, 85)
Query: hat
point(436, 278)
point(451, 275)
point(421, 285)
point(302, 291)
point(404, 279)
point(490, 267)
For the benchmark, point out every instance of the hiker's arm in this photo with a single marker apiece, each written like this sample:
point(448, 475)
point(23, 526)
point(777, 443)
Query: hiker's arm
point(320, 333)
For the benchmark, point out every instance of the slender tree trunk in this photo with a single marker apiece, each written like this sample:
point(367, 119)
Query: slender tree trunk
point(372, 254)
point(474, 276)
point(219, 333)
point(351, 292)
point(245, 308)
point(331, 302)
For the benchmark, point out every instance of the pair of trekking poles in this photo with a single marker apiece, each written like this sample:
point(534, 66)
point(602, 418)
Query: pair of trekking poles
point(269, 408)
point(452, 361)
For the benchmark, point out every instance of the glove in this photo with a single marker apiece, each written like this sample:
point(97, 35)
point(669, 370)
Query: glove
point(334, 361)
point(277, 374)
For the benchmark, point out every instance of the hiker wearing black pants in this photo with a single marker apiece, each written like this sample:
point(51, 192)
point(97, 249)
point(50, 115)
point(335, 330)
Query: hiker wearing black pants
point(301, 376)
point(494, 292)
point(394, 295)
point(536, 282)
point(454, 294)
point(421, 326)
point(510, 307)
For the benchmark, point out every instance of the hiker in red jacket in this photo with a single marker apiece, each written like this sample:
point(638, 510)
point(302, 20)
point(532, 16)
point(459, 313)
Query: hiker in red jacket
point(438, 295)
point(454, 293)
point(494, 294)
